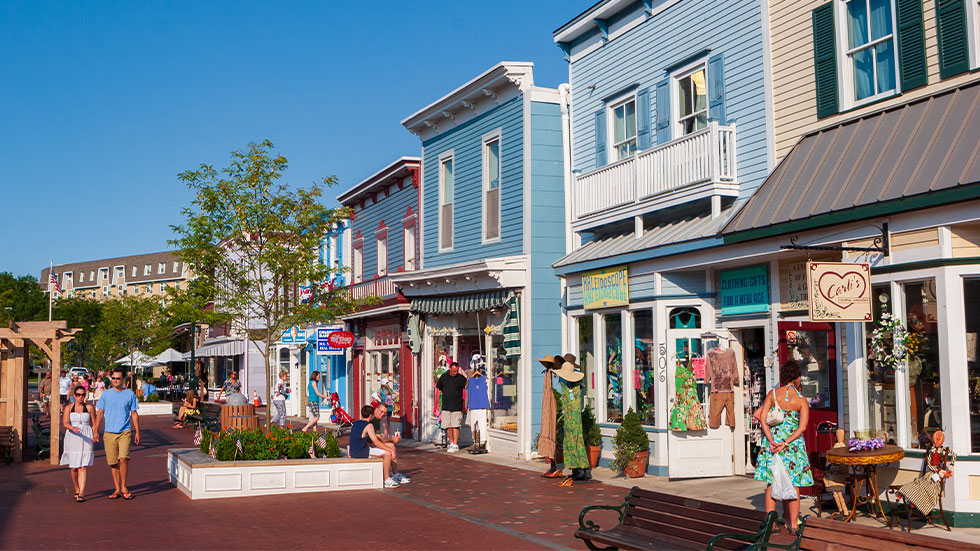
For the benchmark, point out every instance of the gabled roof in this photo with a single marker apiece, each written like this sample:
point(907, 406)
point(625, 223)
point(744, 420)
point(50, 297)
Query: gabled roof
point(921, 153)
point(399, 168)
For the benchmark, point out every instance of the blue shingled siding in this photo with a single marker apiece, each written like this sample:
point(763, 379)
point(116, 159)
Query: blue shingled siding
point(467, 141)
point(391, 210)
point(641, 56)
point(547, 240)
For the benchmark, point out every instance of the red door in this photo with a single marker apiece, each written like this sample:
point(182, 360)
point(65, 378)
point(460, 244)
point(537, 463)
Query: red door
point(814, 347)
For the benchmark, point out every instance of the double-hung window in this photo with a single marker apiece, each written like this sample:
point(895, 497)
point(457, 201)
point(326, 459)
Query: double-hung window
point(692, 100)
point(409, 247)
point(491, 187)
point(624, 127)
point(446, 190)
point(357, 257)
point(869, 50)
point(382, 237)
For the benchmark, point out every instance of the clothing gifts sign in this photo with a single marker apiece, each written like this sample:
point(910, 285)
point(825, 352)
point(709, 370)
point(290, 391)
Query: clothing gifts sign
point(745, 290)
point(839, 291)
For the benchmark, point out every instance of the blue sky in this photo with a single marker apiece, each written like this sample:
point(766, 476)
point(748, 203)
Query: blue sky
point(102, 104)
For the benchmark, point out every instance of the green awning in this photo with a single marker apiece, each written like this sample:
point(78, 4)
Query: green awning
point(457, 304)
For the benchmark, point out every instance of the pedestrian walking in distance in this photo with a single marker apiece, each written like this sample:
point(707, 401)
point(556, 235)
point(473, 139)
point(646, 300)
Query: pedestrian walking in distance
point(118, 407)
point(279, 399)
point(313, 396)
point(79, 441)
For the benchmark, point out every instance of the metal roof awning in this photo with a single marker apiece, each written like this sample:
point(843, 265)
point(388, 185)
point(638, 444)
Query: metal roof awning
point(222, 346)
point(915, 155)
point(457, 304)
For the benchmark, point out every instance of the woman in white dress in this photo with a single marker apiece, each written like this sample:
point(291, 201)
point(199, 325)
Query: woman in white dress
point(79, 440)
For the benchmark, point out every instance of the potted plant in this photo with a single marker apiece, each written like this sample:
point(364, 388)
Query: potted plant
point(632, 449)
point(593, 436)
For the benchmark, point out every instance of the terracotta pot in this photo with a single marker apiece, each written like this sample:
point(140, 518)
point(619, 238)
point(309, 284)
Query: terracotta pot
point(594, 452)
point(638, 467)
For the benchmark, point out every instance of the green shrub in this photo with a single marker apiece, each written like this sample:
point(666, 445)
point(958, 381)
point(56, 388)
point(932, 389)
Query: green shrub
point(630, 440)
point(593, 436)
point(153, 398)
point(258, 444)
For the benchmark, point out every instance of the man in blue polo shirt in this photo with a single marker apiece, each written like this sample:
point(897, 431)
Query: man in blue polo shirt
point(118, 406)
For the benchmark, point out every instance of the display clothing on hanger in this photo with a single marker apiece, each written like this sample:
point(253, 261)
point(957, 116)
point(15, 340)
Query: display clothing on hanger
point(479, 405)
point(573, 445)
point(688, 413)
point(722, 373)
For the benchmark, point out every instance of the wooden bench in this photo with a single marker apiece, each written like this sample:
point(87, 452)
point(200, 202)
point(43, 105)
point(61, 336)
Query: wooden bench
point(7, 443)
point(835, 535)
point(209, 417)
point(42, 437)
point(654, 520)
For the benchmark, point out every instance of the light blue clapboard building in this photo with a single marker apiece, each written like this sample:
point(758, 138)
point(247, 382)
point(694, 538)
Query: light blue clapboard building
point(669, 118)
point(492, 219)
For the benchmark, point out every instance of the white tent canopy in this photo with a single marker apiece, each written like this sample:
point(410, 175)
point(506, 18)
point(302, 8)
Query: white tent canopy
point(169, 355)
point(138, 358)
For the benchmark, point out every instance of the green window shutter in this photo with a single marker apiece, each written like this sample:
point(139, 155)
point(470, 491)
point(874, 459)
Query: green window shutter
point(600, 138)
point(954, 56)
point(911, 44)
point(825, 59)
point(663, 111)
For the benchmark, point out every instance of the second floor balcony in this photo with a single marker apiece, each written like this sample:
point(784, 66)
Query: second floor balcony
point(697, 166)
point(381, 287)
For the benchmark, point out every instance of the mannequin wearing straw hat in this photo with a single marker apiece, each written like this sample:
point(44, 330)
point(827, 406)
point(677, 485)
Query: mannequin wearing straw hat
point(547, 444)
point(573, 444)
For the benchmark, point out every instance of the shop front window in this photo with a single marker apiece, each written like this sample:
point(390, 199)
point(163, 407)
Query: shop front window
point(586, 356)
point(644, 373)
point(502, 377)
point(971, 297)
point(614, 367)
point(810, 349)
point(881, 378)
point(442, 354)
point(922, 342)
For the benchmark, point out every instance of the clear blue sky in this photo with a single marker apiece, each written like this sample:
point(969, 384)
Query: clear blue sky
point(102, 104)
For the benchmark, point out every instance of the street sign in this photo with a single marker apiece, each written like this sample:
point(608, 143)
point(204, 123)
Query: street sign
point(323, 338)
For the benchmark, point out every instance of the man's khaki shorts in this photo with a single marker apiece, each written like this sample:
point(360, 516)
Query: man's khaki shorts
point(452, 419)
point(116, 445)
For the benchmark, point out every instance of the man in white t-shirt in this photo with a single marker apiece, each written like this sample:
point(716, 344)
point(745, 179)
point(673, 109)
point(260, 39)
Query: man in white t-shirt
point(64, 385)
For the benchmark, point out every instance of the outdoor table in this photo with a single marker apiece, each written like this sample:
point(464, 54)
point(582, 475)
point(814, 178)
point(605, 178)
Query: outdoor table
point(865, 463)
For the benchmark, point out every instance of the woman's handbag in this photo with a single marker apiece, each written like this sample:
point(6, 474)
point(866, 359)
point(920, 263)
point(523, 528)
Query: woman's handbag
point(773, 418)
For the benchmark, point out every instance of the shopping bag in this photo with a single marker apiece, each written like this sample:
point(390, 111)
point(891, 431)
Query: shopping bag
point(782, 484)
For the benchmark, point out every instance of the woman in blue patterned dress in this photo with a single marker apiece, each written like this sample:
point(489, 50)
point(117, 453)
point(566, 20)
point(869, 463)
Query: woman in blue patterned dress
point(785, 440)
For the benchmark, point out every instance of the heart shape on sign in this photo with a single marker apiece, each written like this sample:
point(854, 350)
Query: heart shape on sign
point(835, 288)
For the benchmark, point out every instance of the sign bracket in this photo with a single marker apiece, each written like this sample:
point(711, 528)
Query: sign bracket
point(879, 245)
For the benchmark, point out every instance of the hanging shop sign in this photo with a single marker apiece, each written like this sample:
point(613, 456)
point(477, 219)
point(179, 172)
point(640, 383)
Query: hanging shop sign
point(331, 341)
point(606, 287)
point(745, 290)
point(294, 334)
point(839, 291)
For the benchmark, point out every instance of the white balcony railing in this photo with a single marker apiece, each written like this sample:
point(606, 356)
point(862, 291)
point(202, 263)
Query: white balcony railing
point(706, 156)
point(381, 287)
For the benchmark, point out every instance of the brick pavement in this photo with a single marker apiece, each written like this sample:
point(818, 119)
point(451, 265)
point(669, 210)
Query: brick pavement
point(452, 503)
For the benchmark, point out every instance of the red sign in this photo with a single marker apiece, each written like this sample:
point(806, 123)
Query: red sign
point(341, 339)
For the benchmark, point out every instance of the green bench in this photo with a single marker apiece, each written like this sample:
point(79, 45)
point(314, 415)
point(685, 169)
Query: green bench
point(209, 418)
point(42, 437)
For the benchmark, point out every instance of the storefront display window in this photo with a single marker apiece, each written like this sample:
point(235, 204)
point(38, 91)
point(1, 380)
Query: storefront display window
point(586, 356)
point(644, 373)
point(971, 298)
point(810, 350)
point(881, 378)
point(922, 343)
point(614, 367)
point(442, 353)
point(503, 387)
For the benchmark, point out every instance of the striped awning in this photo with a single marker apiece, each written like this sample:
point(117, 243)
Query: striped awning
point(512, 328)
point(457, 304)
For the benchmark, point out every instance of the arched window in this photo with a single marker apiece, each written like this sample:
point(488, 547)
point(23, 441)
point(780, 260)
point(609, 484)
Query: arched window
point(685, 318)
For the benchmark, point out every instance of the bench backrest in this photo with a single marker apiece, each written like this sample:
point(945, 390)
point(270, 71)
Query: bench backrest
point(672, 518)
point(821, 533)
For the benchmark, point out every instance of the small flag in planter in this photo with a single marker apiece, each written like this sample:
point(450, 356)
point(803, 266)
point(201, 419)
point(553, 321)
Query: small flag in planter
point(211, 451)
point(198, 437)
point(321, 442)
point(238, 448)
point(312, 450)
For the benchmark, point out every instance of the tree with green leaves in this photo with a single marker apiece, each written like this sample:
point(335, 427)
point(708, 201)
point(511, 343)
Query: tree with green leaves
point(85, 314)
point(252, 241)
point(131, 324)
point(21, 299)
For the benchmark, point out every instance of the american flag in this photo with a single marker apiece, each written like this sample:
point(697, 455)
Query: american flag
point(53, 282)
point(212, 451)
point(321, 442)
point(312, 450)
point(238, 448)
point(198, 437)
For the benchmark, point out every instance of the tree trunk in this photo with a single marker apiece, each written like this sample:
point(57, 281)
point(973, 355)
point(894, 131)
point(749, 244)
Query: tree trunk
point(268, 383)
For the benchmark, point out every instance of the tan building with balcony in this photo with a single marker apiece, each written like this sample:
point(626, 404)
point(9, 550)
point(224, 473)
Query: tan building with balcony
point(144, 275)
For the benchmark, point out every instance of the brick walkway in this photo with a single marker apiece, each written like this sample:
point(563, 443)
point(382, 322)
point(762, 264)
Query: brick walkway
point(452, 503)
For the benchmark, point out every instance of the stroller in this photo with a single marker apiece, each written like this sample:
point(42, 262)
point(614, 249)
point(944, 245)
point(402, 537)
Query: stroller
point(343, 419)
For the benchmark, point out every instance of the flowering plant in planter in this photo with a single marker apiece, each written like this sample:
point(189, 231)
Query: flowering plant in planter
point(261, 444)
point(855, 444)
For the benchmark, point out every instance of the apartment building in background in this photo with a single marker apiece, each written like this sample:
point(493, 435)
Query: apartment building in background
point(144, 275)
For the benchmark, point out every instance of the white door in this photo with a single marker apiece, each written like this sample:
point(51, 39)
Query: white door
point(698, 453)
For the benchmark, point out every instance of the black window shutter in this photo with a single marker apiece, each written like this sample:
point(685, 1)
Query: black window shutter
point(825, 59)
point(911, 44)
point(954, 56)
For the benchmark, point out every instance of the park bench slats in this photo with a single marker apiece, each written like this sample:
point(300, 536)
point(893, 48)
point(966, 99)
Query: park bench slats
point(748, 523)
point(7, 443)
point(822, 533)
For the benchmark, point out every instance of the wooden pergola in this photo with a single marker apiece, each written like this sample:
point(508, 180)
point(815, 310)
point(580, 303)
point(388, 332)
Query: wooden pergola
point(15, 341)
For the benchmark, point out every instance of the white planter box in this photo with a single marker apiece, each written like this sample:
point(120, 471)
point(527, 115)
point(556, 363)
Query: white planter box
point(155, 408)
point(200, 476)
